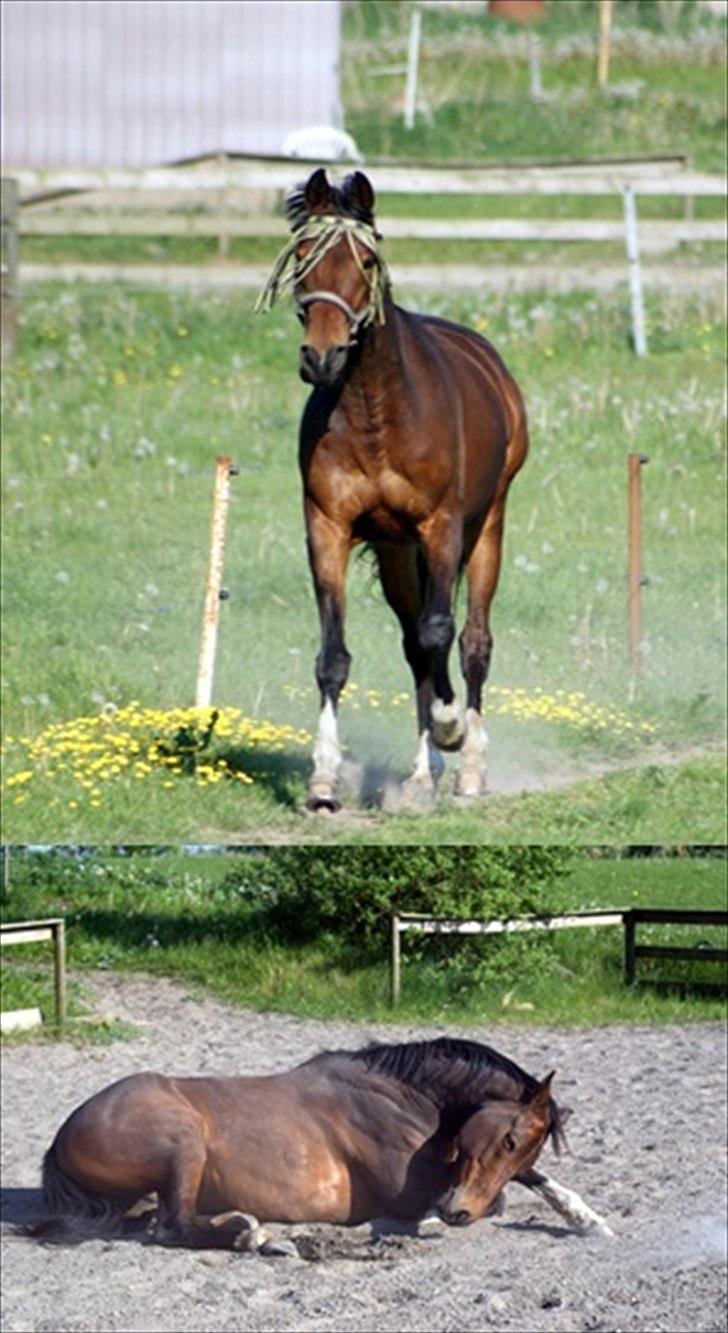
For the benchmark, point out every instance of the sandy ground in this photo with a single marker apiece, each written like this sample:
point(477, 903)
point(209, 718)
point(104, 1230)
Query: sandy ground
point(647, 1152)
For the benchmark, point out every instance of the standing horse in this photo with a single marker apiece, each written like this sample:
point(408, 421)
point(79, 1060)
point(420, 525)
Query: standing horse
point(346, 1137)
point(409, 442)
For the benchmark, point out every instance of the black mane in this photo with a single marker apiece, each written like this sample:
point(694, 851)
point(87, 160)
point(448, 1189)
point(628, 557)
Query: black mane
point(465, 1074)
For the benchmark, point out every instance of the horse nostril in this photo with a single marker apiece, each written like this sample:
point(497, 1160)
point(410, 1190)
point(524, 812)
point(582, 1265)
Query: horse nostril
point(457, 1219)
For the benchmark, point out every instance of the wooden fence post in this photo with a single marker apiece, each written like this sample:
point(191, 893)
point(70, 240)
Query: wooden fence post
point(629, 957)
point(214, 591)
point(59, 972)
point(9, 319)
point(394, 960)
point(635, 577)
point(413, 66)
point(605, 23)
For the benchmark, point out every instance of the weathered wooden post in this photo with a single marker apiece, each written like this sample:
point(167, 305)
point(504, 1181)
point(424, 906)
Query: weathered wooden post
point(214, 591)
point(629, 954)
point(9, 295)
point(606, 8)
point(59, 972)
point(413, 68)
point(394, 960)
point(636, 579)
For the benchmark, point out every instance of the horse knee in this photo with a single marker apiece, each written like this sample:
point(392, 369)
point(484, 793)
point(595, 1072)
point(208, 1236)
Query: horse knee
point(436, 632)
point(332, 670)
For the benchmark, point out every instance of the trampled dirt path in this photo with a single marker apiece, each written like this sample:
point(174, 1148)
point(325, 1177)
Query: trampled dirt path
point(646, 1151)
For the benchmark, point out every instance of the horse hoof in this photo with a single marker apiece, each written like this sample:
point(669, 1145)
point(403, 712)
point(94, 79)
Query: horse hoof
point(416, 794)
point(279, 1249)
point(242, 1229)
point(447, 726)
point(322, 805)
point(468, 787)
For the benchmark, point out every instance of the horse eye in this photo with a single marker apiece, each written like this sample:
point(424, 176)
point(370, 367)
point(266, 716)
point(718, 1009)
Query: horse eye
point(368, 263)
point(509, 1143)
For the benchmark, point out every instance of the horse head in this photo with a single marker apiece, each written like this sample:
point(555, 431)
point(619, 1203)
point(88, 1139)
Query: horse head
point(495, 1143)
point(334, 267)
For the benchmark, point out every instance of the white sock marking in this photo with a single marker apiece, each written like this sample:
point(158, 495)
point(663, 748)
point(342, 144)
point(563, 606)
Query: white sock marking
point(326, 751)
point(571, 1206)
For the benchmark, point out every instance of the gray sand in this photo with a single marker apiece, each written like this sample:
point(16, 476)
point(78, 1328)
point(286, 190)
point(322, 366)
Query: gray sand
point(646, 1142)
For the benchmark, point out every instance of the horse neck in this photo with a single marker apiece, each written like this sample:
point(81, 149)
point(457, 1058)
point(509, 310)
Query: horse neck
point(374, 386)
point(458, 1094)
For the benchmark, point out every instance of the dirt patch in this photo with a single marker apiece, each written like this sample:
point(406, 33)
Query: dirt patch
point(646, 1152)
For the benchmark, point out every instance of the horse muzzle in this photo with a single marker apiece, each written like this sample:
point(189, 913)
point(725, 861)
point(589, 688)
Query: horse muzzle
point(322, 369)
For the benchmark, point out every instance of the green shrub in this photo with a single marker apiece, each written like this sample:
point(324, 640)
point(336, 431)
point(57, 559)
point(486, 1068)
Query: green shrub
point(351, 892)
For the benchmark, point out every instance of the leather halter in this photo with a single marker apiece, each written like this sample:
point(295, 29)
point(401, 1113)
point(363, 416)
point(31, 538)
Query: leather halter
point(355, 318)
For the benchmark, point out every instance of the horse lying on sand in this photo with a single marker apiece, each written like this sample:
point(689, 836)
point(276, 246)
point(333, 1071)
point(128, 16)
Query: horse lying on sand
point(394, 1131)
point(409, 443)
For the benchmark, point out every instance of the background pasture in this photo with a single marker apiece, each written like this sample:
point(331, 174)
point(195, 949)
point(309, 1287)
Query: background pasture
point(120, 397)
point(218, 924)
point(108, 482)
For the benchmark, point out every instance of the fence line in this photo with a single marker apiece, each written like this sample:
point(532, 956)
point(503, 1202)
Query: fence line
point(35, 932)
point(625, 917)
point(281, 174)
point(654, 235)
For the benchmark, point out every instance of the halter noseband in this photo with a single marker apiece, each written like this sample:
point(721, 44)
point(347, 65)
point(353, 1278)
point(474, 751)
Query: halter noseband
point(355, 317)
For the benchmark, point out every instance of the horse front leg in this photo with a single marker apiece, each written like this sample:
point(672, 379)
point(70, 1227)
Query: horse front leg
point(328, 550)
point(566, 1202)
point(441, 545)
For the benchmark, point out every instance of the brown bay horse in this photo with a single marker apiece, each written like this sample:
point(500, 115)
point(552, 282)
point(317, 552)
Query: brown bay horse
point(388, 1131)
point(409, 442)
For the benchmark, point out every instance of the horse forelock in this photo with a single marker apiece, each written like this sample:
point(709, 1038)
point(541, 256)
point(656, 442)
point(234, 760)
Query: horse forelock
point(341, 205)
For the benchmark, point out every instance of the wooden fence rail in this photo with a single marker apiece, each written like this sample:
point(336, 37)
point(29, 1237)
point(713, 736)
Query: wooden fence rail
point(35, 932)
point(628, 918)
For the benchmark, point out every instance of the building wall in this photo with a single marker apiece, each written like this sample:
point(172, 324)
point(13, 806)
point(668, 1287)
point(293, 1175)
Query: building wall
point(137, 82)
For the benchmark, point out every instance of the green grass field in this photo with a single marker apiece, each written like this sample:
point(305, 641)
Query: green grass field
point(184, 917)
point(119, 399)
point(666, 89)
point(115, 407)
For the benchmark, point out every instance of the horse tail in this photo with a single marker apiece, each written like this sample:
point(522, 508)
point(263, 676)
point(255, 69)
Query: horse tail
point(73, 1213)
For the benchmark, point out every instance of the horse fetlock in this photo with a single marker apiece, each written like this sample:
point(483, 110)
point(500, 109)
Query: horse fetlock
point(447, 725)
point(470, 781)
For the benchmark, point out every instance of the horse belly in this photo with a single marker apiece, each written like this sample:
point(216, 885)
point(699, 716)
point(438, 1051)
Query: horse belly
point(277, 1187)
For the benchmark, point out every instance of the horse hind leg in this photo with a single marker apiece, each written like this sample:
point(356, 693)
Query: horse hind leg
point(476, 643)
point(402, 579)
point(179, 1223)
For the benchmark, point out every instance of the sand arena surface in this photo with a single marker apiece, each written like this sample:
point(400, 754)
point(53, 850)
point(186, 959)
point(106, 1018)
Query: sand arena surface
point(647, 1152)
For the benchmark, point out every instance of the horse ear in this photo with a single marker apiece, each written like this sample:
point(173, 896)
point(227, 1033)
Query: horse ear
point(358, 192)
point(542, 1095)
point(317, 191)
